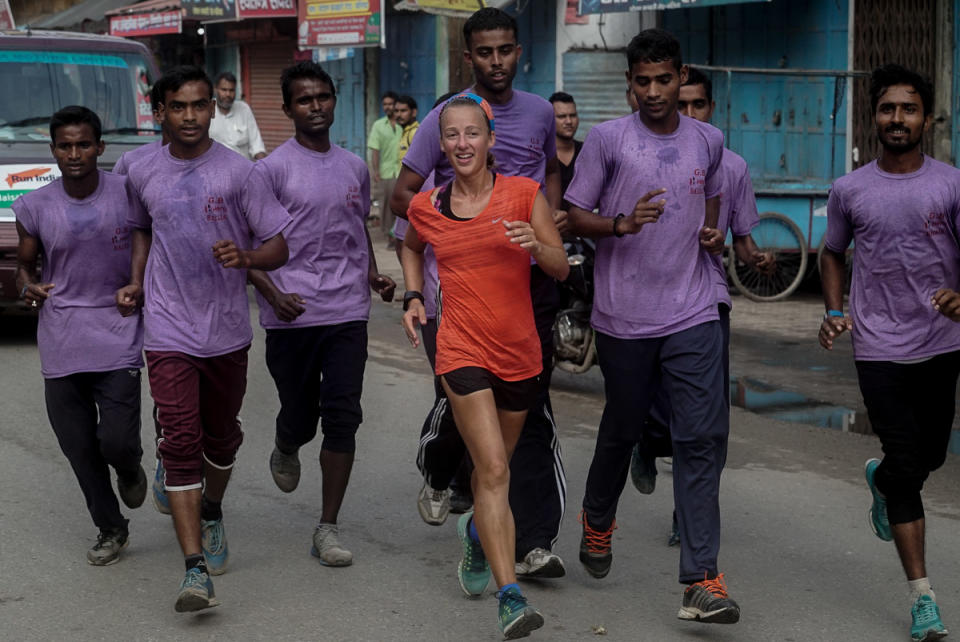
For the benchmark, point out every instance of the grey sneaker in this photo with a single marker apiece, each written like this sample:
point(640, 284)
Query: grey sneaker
point(285, 470)
point(107, 549)
point(326, 546)
point(434, 505)
point(540, 563)
point(133, 493)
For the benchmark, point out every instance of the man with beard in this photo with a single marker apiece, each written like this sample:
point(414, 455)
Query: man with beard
point(405, 109)
point(315, 308)
point(565, 113)
point(198, 208)
point(525, 146)
point(902, 211)
point(234, 124)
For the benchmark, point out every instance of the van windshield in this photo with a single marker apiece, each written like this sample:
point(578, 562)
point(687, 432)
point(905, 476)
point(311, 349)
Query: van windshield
point(115, 85)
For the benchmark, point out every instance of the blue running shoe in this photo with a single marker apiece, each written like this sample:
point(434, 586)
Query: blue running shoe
point(878, 511)
point(196, 592)
point(214, 542)
point(160, 500)
point(473, 571)
point(926, 620)
point(517, 617)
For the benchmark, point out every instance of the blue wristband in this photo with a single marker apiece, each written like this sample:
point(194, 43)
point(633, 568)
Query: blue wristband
point(834, 313)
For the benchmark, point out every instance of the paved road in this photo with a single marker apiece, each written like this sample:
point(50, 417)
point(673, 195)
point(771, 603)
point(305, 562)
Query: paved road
point(797, 551)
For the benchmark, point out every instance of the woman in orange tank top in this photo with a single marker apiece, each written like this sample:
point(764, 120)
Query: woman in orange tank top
point(484, 229)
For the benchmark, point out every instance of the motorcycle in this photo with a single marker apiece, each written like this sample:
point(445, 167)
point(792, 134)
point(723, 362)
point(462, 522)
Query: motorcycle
point(573, 337)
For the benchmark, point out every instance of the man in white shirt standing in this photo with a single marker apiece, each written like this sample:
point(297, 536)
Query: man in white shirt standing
point(234, 124)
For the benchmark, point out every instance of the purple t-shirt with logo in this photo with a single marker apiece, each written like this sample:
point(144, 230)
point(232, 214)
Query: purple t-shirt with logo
point(135, 156)
point(191, 303)
point(738, 213)
point(86, 254)
point(905, 228)
point(659, 281)
point(328, 196)
point(526, 139)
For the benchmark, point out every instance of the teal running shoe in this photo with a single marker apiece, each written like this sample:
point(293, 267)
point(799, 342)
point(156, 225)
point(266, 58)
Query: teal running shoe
point(473, 571)
point(196, 592)
point(926, 620)
point(214, 543)
point(160, 500)
point(517, 618)
point(878, 511)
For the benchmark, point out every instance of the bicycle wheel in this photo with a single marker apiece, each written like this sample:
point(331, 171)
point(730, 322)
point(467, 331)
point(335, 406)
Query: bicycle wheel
point(777, 234)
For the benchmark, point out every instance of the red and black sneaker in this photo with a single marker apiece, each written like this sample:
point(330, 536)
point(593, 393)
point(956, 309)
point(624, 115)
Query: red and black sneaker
point(595, 548)
point(707, 601)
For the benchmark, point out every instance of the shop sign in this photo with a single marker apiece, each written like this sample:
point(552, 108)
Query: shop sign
point(324, 23)
point(6, 16)
point(267, 8)
point(613, 6)
point(207, 10)
point(145, 24)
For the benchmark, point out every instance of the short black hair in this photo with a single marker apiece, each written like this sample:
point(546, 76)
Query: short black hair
point(392, 95)
point(488, 19)
point(75, 115)
point(156, 95)
point(177, 77)
point(444, 98)
point(225, 75)
point(654, 45)
point(561, 97)
point(697, 77)
point(886, 76)
point(304, 69)
point(408, 101)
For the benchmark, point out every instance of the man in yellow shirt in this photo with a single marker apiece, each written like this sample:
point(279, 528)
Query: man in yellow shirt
point(405, 111)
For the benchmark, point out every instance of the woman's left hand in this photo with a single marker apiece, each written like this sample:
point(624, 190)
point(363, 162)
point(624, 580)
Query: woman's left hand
point(522, 233)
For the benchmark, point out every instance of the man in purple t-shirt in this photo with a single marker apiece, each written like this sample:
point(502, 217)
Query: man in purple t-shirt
point(526, 146)
point(738, 214)
point(903, 212)
point(315, 308)
point(89, 357)
point(656, 178)
point(199, 205)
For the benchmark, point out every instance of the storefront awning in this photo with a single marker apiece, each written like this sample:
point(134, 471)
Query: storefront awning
point(89, 10)
point(150, 6)
point(615, 6)
point(151, 18)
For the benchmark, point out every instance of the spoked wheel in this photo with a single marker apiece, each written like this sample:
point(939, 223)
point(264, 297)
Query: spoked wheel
point(777, 234)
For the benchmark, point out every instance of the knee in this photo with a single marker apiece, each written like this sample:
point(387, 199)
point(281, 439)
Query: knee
point(340, 439)
point(221, 450)
point(120, 453)
point(493, 475)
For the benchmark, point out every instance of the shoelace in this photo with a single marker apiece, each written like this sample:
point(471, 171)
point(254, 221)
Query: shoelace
point(512, 600)
point(436, 496)
point(716, 586)
point(926, 611)
point(194, 578)
point(215, 537)
point(597, 541)
point(103, 539)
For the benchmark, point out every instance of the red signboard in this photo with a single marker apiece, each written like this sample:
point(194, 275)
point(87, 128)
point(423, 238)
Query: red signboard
point(145, 24)
point(331, 23)
point(6, 16)
point(267, 8)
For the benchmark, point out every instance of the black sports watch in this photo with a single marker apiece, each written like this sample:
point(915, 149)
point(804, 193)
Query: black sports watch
point(409, 296)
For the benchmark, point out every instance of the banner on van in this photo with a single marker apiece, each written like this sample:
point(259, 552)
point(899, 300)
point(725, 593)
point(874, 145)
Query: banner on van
point(6, 16)
point(17, 180)
point(267, 8)
point(325, 23)
point(145, 24)
point(613, 6)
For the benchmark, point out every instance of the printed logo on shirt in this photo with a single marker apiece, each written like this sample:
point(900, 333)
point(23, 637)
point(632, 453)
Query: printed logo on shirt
point(215, 209)
point(353, 194)
point(698, 181)
point(535, 147)
point(936, 224)
point(121, 238)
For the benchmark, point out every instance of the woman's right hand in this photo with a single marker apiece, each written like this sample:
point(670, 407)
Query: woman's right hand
point(416, 315)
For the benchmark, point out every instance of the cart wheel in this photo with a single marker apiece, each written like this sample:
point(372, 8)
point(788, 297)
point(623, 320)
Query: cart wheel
point(778, 234)
point(848, 255)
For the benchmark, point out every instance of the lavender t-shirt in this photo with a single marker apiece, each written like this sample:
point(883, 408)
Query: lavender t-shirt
point(526, 139)
point(738, 213)
point(191, 303)
point(86, 254)
point(135, 156)
point(659, 281)
point(328, 196)
point(905, 227)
